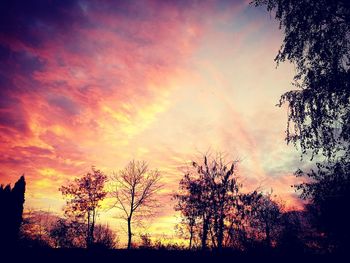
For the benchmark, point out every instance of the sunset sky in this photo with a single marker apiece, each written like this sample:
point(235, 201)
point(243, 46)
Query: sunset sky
point(100, 83)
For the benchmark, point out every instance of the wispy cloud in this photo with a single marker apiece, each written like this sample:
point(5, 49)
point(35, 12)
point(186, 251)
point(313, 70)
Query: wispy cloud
point(99, 83)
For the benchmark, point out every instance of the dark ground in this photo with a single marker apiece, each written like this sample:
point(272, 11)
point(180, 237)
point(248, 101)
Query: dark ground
point(166, 256)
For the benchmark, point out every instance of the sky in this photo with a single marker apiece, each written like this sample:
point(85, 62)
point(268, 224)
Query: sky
point(100, 83)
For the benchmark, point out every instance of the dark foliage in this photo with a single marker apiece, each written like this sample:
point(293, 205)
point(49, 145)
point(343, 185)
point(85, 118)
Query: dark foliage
point(329, 192)
point(215, 211)
point(68, 233)
point(207, 193)
point(11, 207)
point(84, 197)
point(104, 238)
point(317, 41)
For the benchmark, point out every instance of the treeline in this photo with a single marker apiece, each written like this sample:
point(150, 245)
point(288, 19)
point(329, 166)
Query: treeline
point(43, 229)
point(133, 190)
point(216, 213)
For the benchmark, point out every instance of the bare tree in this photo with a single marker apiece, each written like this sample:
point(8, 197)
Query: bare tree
point(134, 189)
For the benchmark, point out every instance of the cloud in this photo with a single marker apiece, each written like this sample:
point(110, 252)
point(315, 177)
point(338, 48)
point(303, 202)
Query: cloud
point(65, 104)
point(100, 83)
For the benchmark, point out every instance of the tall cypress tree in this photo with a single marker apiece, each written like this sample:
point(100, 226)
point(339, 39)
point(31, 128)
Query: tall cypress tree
point(11, 207)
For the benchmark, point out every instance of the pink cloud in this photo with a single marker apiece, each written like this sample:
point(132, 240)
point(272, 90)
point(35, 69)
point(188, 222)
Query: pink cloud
point(102, 83)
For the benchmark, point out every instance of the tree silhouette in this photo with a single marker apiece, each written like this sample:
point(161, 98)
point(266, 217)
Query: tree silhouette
point(292, 237)
point(240, 230)
point(105, 238)
point(255, 219)
point(62, 234)
point(135, 188)
point(84, 196)
point(11, 205)
point(316, 40)
point(266, 218)
point(68, 233)
point(35, 229)
point(329, 192)
point(207, 194)
point(146, 242)
point(187, 203)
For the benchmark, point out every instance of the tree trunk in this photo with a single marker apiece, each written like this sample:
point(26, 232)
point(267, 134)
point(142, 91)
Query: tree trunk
point(268, 238)
point(220, 233)
point(191, 237)
point(88, 230)
point(213, 237)
point(129, 233)
point(92, 227)
point(205, 233)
